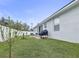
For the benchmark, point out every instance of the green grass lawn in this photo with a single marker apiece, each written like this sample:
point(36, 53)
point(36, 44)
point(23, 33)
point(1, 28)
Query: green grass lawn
point(31, 47)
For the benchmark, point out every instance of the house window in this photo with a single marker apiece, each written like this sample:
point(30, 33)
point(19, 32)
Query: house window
point(56, 24)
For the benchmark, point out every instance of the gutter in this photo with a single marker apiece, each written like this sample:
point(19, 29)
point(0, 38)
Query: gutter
point(69, 5)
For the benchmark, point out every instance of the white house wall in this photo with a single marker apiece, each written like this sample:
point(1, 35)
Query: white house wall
point(36, 30)
point(69, 26)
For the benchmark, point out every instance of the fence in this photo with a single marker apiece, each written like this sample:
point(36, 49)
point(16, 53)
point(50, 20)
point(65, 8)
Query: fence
point(6, 33)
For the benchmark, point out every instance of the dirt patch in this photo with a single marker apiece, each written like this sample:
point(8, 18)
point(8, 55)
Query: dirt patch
point(37, 37)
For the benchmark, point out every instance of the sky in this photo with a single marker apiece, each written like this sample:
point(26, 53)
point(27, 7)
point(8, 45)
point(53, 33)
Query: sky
point(30, 11)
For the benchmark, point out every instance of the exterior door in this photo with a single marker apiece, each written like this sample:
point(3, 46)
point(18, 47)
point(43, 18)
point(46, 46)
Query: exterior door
point(40, 28)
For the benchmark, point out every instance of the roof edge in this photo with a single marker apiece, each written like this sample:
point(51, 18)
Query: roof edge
point(57, 12)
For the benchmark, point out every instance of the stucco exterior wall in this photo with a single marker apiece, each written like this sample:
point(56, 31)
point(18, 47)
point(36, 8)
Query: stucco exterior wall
point(69, 26)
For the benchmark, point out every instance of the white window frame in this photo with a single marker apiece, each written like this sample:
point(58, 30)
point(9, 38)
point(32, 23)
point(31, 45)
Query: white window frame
point(56, 24)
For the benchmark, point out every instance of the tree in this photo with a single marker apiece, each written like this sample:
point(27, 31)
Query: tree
point(25, 26)
point(15, 25)
point(2, 21)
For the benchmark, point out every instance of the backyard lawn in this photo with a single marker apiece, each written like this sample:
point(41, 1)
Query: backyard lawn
point(31, 47)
